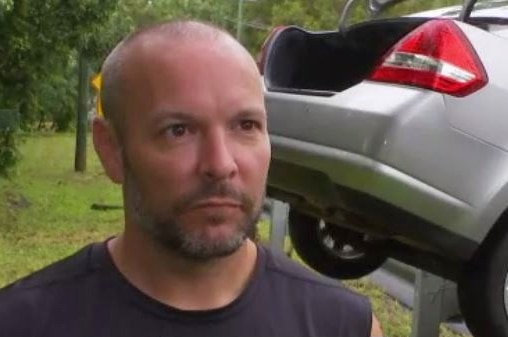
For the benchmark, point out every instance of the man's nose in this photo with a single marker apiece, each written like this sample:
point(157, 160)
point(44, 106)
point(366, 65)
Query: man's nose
point(217, 160)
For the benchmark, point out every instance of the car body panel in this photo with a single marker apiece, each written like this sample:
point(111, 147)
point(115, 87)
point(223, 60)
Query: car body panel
point(439, 157)
point(478, 115)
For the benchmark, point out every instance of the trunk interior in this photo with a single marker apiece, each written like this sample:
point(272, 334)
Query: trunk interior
point(325, 62)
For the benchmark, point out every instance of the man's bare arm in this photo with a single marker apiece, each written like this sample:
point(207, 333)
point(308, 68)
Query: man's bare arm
point(376, 328)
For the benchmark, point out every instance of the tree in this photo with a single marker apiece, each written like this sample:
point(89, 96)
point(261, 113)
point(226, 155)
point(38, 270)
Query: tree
point(38, 39)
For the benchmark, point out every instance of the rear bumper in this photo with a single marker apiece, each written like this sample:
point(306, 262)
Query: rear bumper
point(369, 176)
point(414, 239)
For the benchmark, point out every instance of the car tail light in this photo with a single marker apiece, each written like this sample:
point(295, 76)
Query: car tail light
point(437, 56)
point(261, 56)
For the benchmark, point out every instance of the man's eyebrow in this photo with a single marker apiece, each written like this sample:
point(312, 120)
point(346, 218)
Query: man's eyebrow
point(165, 114)
point(246, 113)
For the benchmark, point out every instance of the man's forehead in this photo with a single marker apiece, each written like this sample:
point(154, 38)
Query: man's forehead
point(158, 46)
point(176, 67)
point(156, 50)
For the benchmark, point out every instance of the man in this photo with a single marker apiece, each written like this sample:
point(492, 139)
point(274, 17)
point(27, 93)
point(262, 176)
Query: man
point(185, 135)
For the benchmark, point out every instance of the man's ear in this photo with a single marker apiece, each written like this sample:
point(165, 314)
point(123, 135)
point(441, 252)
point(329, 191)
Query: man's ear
point(108, 148)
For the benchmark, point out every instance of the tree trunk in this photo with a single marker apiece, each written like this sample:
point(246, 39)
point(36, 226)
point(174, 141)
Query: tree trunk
point(82, 120)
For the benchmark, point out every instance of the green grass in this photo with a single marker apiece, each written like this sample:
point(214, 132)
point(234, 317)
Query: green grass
point(45, 214)
point(45, 210)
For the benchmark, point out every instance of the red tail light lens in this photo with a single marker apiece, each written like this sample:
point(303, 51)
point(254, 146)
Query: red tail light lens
point(261, 56)
point(437, 56)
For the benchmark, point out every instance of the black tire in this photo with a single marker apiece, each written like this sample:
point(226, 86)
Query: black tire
point(307, 238)
point(481, 290)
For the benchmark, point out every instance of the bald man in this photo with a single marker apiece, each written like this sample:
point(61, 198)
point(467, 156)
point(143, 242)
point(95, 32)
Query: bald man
point(185, 135)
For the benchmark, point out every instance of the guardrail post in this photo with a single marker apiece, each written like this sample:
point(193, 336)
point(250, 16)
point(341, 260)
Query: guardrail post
point(428, 304)
point(278, 224)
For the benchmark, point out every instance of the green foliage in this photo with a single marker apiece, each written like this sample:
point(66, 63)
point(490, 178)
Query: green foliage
point(38, 43)
point(57, 97)
point(313, 15)
point(38, 40)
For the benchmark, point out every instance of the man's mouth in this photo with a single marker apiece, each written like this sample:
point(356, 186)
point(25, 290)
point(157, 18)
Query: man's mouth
point(217, 203)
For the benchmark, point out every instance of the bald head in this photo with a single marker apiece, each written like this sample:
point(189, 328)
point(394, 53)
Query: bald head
point(173, 35)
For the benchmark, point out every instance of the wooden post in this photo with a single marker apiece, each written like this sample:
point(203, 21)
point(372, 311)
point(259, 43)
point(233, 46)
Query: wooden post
point(82, 118)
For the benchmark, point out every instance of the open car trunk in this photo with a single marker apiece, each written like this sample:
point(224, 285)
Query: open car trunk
point(322, 63)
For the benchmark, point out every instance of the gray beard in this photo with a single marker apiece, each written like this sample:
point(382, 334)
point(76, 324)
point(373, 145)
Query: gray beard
point(173, 237)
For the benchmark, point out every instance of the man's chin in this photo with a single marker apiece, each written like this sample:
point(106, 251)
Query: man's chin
point(209, 249)
point(204, 242)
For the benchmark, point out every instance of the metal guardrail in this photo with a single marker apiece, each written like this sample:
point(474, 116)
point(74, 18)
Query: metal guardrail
point(433, 300)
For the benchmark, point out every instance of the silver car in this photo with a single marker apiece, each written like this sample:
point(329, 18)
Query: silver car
point(390, 139)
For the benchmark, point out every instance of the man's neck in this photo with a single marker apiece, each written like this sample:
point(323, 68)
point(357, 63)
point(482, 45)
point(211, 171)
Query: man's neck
point(178, 282)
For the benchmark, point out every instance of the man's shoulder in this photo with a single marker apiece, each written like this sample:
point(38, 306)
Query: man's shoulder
point(58, 288)
point(302, 280)
point(328, 307)
point(286, 267)
point(22, 301)
point(65, 269)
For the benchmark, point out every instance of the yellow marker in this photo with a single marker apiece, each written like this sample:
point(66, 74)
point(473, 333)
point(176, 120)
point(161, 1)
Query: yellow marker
point(96, 84)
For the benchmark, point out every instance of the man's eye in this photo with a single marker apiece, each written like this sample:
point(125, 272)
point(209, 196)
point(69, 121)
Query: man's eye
point(248, 125)
point(178, 130)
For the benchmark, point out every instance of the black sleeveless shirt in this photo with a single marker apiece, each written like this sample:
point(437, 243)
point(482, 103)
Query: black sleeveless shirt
point(85, 295)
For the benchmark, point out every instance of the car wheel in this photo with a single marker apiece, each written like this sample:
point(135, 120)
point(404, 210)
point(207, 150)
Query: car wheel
point(332, 250)
point(483, 290)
